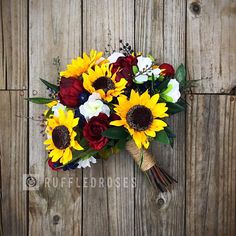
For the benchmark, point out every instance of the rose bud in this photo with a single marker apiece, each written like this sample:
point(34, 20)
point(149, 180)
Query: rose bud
point(123, 68)
point(54, 165)
point(93, 131)
point(168, 69)
point(70, 89)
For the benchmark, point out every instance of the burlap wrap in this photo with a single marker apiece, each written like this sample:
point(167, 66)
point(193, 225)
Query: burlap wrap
point(148, 160)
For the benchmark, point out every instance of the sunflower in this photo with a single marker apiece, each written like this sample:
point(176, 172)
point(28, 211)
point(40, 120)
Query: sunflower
point(81, 64)
point(61, 136)
point(139, 115)
point(102, 81)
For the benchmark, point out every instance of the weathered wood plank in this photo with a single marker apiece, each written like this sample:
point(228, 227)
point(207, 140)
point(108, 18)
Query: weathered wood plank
point(211, 165)
point(163, 32)
point(54, 30)
point(13, 157)
point(13, 44)
point(112, 212)
point(211, 45)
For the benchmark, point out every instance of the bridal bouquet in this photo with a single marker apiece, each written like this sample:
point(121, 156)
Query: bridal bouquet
point(103, 104)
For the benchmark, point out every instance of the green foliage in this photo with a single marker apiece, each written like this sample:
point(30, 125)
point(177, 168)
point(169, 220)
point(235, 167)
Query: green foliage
point(115, 133)
point(180, 75)
point(39, 100)
point(54, 87)
point(162, 137)
point(135, 70)
point(121, 144)
point(49, 112)
point(163, 86)
point(170, 135)
point(83, 154)
point(174, 108)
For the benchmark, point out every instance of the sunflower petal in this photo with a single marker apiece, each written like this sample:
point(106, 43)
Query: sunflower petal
point(77, 146)
point(137, 139)
point(117, 122)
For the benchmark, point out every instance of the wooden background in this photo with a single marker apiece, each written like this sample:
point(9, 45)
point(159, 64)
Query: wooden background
point(202, 35)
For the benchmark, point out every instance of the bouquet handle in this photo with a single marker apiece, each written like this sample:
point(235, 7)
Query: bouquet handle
point(157, 175)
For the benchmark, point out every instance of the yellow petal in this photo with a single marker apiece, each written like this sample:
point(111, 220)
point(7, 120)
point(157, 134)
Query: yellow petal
point(150, 133)
point(67, 156)
point(48, 141)
point(159, 110)
point(152, 102)
point(137, 139)
point(62, 116)
point(134, 98)
point(57, 155)
point(52, 104)
point(117, 122)
point(77, 146)
point(158, 125)
point(144, 98)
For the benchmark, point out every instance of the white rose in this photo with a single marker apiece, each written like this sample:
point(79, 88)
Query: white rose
point(172, 94)
point(93, 107)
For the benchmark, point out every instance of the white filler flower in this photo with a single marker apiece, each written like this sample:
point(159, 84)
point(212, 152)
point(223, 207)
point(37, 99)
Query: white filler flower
point(172, 94)
point(93, 107)
point(114, 56)
point(86, 163)
point(145, 70)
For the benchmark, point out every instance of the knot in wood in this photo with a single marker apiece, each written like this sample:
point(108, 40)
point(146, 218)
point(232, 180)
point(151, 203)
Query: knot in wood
point(160, 202)
point(195, 8)
point(56, 219)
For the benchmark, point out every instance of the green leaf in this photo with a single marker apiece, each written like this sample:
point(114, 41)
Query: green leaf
point(180, 74)
point(135, 70)
point(54, 87)
point(49, 112)
point(162, 87)
point(115, 133)
point(170, 135)
point(174, 108)
point(162, 137)
point(141, 158)
point(83, 154)
point(39, 100)
point(169, 132)
point(105, 153)
point(151, 57)
point(121, 144)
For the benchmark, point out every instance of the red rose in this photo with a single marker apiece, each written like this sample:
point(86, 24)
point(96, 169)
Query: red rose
point(93, 131)
point(123, 67)
point(168, 69)
point(54, 165)
point(70, 89)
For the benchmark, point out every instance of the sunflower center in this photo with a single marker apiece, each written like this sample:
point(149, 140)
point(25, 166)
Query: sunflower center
point(61, 137)
point(139, 118)
point(103, 83)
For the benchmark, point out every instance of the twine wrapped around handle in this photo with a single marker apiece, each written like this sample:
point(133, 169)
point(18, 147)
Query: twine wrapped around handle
point(148, 161)
point(157, 175)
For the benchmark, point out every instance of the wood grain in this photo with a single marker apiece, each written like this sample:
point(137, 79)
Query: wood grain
point(199, 33)
point(211, 45)
point(112, 213)
point(13, 44)
point(211, 165)
point(55, 30)
point(162, 31)
point(13, 162)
